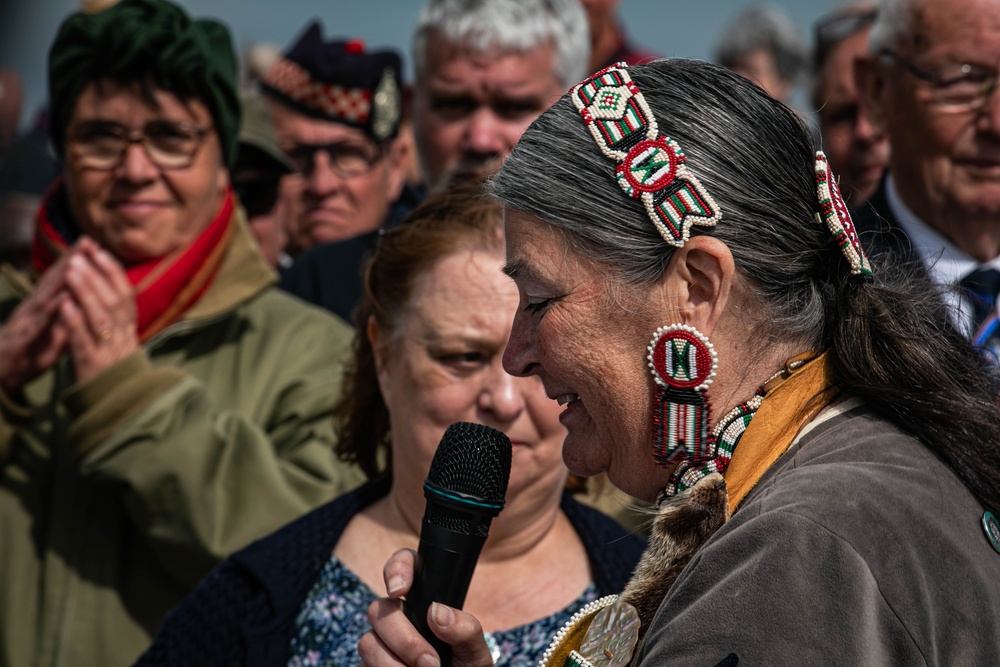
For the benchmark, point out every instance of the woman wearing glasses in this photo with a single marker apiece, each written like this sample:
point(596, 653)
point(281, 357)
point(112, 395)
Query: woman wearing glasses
point(162, 403)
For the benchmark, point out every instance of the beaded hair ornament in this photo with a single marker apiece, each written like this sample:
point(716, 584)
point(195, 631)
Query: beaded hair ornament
point(833, 213)
point(650, 167)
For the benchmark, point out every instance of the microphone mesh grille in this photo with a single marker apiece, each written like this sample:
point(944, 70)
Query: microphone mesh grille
point(473, 459)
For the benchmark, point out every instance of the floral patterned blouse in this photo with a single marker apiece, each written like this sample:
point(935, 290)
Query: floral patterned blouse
point(335, 614)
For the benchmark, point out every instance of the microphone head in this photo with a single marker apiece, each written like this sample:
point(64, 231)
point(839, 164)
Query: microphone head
point(469, 474)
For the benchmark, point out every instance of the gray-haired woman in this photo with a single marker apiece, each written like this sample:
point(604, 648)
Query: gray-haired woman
point(856, 432)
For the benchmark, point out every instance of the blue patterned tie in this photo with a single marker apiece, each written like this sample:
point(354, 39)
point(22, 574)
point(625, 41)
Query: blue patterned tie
point(981, 288)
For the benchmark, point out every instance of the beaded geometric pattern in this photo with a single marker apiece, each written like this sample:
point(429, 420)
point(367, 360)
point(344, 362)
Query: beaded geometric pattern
point(683, 362)
point(351, 104)
point(837, 219)
point(725, 436)
point(651, 167)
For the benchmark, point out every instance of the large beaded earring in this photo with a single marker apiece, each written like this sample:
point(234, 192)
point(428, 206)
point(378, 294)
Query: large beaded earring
point(683, 363)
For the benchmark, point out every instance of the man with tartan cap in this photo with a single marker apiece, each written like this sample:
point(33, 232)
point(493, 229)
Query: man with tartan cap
point(336, 109)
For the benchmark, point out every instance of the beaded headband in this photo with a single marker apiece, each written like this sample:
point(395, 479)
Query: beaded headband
point(651, 167)
point(833, 213)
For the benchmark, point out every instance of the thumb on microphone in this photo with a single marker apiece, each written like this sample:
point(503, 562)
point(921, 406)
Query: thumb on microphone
point(398, 572)
point(463, 632)
point(393, 640)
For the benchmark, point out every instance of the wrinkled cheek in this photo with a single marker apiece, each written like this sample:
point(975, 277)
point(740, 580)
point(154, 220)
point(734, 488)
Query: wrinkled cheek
point(584, 453)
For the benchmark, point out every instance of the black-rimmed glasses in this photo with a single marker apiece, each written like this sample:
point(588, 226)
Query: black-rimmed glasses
point(955, 87)
point(102, 144)
point(347, 160)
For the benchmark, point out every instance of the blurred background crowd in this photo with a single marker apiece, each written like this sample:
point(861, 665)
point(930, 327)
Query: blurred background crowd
point(774, 43)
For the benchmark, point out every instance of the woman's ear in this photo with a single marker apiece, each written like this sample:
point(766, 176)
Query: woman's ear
point(379, 353)
point(698, 281)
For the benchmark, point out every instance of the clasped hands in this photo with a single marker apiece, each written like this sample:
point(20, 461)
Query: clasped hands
point(84, 305)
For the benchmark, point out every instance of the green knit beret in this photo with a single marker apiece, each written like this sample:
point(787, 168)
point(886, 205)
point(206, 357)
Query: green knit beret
point(140, 41)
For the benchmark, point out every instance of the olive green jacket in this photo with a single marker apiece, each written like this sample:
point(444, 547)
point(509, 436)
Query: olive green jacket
point(117, 495)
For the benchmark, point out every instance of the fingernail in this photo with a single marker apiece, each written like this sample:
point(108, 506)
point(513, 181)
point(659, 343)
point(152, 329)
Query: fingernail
point(442, 614)
point(395, 584)
point(428, 660)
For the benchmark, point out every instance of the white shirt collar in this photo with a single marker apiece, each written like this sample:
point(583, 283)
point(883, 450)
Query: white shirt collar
point(945, 262)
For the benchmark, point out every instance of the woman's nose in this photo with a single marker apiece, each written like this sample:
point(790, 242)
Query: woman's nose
point(502, 395)
point(136, 166)
point(516, 359)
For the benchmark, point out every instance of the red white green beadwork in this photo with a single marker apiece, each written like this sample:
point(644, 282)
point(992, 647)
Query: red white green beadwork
point(725, 436)
point(650, 167)
point(683, 362)
point(681, 356)
point(834, 214)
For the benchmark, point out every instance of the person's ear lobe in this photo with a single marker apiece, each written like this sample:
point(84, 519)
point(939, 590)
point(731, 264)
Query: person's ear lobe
point(397, 162)
point(699, 280)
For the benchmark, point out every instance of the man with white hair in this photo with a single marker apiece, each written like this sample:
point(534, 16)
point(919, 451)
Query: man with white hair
point(484, 70)
point(929, 82)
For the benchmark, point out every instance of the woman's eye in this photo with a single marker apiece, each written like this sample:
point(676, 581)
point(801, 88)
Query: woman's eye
point(535, 307)
point(463, 358)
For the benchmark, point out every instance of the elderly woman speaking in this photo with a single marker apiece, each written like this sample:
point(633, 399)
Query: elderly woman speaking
point(693, 291)
point(162, 403)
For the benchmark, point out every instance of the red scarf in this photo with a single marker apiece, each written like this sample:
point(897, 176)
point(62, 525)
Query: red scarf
point(166, 286)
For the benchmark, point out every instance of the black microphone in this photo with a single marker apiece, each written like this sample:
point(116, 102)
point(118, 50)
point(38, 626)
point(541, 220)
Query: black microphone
point(465, 489)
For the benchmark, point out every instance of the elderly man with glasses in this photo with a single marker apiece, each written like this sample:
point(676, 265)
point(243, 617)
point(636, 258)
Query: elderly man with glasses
point(929, 82)
point(858, 152)
point(337, 109)
point(162, 403)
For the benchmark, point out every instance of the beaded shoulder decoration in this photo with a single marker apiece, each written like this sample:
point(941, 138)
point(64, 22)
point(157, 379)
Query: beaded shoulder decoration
point(602, 634)
point(650, 167)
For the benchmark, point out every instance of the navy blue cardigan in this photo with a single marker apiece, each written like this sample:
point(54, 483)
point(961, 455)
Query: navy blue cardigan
point(244, 612)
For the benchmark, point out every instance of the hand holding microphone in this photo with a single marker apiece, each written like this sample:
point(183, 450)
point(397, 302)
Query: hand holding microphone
point(465, 489)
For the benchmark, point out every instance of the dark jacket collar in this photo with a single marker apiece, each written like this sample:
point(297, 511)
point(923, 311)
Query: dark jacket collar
point(881, 234)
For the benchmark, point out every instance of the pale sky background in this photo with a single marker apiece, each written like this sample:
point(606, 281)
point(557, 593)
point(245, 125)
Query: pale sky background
point(672, 28)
